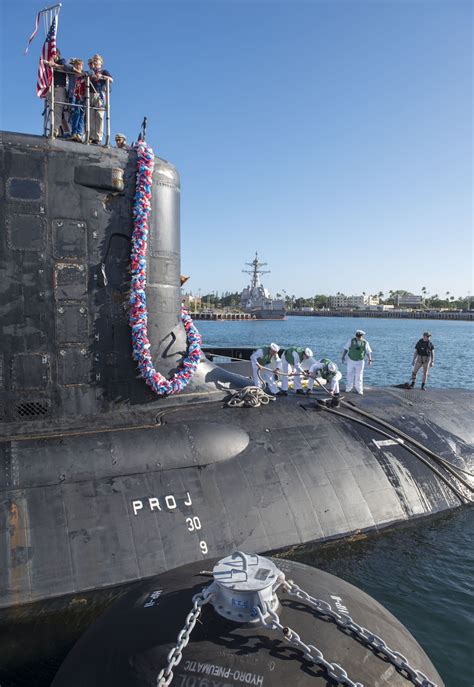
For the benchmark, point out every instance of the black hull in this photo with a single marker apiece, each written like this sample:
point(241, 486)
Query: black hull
point(101, 508)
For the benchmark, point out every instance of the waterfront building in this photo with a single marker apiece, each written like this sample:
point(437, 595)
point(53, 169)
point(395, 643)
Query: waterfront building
point(409, 300)
point(342, 301)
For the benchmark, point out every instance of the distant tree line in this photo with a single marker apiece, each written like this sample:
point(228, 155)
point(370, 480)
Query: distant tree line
point(229, 299)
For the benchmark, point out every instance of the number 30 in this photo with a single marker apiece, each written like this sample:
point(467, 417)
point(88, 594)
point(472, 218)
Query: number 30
point(193, 523)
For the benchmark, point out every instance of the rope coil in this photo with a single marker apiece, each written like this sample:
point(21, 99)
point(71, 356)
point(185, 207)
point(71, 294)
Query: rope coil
point(249, 397)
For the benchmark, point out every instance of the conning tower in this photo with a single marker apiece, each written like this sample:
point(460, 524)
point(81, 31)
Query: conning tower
point(66, 347)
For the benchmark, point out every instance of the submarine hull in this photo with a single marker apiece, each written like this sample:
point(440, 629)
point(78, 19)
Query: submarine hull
point(102, 482)
point(107, 506)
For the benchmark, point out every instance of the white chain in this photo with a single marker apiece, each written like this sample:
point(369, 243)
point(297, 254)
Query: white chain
point(370, 639)
point(310, 652)
point(176, 654)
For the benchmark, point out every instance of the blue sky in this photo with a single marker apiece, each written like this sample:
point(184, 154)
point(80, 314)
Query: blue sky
point(334, 138)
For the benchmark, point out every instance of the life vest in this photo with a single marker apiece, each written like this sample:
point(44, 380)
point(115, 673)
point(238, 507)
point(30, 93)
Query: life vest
point(324, 371)
point(289, 354)
point(266, 359)
point(357, 349)
point(424, 348)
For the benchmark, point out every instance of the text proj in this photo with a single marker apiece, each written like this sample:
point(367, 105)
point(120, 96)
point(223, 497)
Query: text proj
point(153, 503)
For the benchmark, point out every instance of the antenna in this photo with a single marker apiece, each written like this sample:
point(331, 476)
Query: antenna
point(142, 134)
point(256, 271)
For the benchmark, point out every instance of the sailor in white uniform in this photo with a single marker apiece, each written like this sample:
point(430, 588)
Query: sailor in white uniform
point(326, 370)
point(292, 361)
point(356, 349)
point(266, 356)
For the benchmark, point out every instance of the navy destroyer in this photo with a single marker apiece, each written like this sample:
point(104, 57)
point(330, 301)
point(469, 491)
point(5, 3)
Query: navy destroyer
point(103, 482)
point(256, 300)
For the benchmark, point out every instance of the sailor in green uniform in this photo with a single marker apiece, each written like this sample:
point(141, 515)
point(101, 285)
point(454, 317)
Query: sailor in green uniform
point(292, 360)
point(266, 356)
point(327, 370)
point(356, 349)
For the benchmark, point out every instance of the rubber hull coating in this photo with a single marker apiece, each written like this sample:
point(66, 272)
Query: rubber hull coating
point(129, 645)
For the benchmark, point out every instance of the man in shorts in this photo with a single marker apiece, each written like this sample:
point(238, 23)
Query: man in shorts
point(423, 357)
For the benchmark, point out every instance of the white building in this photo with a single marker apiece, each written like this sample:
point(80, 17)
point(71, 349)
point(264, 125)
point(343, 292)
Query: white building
point(409, 300)
point(341, 301)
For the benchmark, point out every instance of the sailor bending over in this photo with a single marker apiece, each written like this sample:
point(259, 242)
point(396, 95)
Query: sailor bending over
point(266, 356)
point(292, 360)
point(326, 370)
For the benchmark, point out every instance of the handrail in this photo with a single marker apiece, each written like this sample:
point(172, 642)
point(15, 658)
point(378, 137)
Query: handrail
point(49, 123)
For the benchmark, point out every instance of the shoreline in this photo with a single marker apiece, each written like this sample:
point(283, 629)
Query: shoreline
point(389, 314)
point(400, 315)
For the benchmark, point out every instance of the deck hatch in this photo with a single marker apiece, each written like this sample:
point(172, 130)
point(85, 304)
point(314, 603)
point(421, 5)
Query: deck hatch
point(70, 281)
point(26, 232)
point(25, 189)
point(69, 238)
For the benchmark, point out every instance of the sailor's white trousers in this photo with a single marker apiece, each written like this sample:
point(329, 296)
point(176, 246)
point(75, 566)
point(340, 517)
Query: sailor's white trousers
point(355, 374)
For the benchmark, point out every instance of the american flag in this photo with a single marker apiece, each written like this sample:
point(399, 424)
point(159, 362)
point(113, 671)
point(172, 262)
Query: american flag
point(45, 73)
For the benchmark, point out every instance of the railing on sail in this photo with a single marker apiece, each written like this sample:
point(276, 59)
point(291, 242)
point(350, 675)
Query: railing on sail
point(50, 126)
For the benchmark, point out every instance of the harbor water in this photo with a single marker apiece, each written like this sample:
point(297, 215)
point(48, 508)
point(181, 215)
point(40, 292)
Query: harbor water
point(423, 572)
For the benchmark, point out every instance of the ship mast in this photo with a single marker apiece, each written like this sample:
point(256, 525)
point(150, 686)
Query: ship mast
point(255, 272)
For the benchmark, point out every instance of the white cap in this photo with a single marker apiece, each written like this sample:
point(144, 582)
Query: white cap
point(360, 331)
point(332, 367)
point(275, 347)
point(308, 352)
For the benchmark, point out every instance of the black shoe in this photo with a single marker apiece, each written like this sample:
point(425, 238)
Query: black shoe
point(282, 392)
point(423, 387)
point(301, 392)
point(335, 401)
point(411, 385)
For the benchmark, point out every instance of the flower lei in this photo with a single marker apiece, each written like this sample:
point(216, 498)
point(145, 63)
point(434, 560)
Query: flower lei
point(138, 317)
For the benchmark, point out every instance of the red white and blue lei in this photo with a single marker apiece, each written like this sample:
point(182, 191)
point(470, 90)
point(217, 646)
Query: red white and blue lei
point(138, 317)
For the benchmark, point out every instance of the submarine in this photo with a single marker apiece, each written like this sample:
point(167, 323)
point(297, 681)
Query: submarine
point(103, 481)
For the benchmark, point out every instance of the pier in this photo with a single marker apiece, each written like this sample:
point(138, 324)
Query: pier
point(218, 315)
point(399, 314)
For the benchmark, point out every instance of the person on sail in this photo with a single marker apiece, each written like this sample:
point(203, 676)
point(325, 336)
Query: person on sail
point(292, 360)
point(97, 92)
point(76, 94)
point(266, 356)
point(59, 85)
point(356, 350)
point(121, 142)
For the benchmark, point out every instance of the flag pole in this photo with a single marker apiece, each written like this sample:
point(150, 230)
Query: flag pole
point(46, 9)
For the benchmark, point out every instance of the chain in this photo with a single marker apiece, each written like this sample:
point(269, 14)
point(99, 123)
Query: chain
point(310, 652)
point(370, 639)
point(176, 654)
